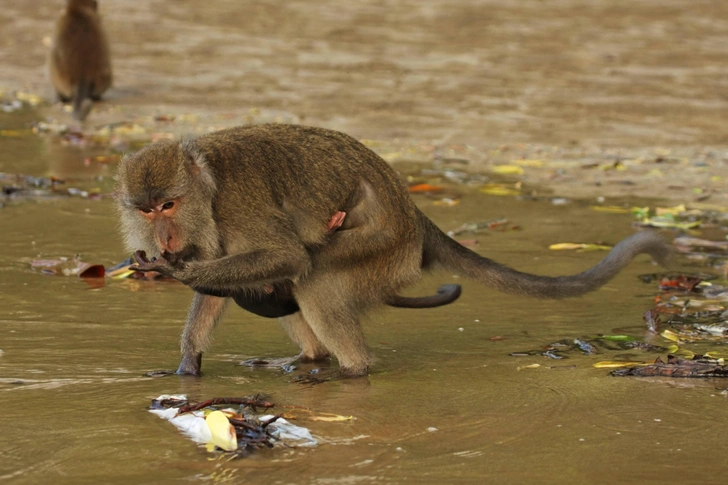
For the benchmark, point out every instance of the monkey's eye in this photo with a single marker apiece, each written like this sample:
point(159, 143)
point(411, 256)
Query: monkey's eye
point(145, 210)
point(168, 205)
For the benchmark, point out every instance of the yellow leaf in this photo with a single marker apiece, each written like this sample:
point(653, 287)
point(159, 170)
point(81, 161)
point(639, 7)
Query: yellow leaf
point(31, 99)
point(530, 366)
point(15, 133)
point(529, 163)
point(662, 223)
point(613, 209)
point(494, 189)
point(579, 246)
point(508, 169)
point(715, 355)
point(613, 166)
point(223, 433)
point(677, 210)
point(670, 335)
point(332, 418)
point(614, 364)
point(686, 353)
point(123, 274)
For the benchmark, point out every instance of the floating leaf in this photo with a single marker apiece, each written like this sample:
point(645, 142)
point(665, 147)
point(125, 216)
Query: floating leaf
point(614, 364)
point(677, 210)
point(580, 247)
point(31, 99)
point(670, 335)
point(619, 166)
point(508, 169)
point(680, 282)
point(612, 209)
point(15, 133)
point(495, 189)
point(425, 188)
point(676, 367)
point(331, 418)
point(664, 222)
point(701, 243)
point(529, 163)
point(69, 267)
point(618, 338)
point(468, 242)
point(223, 433)
point(641, 212)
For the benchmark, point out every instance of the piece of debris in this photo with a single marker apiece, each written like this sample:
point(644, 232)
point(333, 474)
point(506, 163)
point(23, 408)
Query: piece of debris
point(237, 430)
point(697, 367)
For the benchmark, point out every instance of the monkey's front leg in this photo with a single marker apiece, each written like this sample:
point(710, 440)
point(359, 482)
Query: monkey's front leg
point(205, 313)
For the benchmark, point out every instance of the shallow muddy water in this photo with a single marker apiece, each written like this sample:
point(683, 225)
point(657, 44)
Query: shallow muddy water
point(74, 397)
point(445, 402)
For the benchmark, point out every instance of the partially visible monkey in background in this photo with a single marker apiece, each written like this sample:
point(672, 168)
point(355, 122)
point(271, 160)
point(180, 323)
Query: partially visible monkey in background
point(239, 210)
point(79, 64)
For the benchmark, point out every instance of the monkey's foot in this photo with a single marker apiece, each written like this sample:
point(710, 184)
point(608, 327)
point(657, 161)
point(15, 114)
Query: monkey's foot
point(190, 365)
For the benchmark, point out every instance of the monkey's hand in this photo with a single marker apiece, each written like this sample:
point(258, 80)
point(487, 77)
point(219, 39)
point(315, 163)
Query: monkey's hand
point(159, 265)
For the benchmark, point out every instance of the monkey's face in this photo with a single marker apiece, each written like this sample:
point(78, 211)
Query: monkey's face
point(165, 204)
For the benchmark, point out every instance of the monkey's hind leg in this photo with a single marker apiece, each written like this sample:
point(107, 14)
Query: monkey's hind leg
point(334, 321)
point(312, 350)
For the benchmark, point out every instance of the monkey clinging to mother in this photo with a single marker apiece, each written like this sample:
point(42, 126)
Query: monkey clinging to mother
point(309, 225)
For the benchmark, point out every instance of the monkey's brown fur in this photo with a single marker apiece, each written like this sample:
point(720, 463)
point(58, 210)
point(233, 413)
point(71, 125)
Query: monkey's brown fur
point(248, 207)
point(79, 64)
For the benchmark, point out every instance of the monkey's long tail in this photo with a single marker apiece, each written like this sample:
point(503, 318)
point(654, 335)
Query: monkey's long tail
point(82, 100)
point(441, 249)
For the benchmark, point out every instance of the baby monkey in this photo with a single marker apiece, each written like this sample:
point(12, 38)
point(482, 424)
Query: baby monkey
point(237, 211)
point(79, 65)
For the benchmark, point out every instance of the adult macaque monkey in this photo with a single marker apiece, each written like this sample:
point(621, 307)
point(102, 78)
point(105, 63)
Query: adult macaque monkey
point(247, 208)
point(79, 63)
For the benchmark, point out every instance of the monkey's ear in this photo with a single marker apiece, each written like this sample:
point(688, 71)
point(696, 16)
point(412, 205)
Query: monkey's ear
point(197, 164)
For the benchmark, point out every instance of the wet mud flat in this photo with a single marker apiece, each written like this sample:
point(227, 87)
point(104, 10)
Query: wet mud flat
point(447, 400)
point(513, 110)
point(569, 83)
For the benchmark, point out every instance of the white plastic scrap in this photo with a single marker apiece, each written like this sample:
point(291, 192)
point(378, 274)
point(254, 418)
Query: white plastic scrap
point(194, 426)
point(288, 433)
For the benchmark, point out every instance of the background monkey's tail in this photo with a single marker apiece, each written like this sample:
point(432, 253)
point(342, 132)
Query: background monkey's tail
point(442, 250)
point(82, 100)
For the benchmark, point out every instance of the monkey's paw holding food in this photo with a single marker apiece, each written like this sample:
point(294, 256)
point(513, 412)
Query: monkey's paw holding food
point(159, 265)
point(231, 429)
